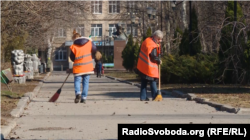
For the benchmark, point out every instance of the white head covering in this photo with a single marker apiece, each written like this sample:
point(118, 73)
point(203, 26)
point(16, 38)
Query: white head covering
point(89, 38)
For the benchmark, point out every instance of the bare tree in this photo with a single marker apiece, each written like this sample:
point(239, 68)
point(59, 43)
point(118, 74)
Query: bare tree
point(39, 19)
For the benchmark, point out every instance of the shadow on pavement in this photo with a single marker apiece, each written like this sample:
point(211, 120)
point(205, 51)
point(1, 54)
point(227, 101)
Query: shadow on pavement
point(73, 82)
point(126, 95)
point(213, 90)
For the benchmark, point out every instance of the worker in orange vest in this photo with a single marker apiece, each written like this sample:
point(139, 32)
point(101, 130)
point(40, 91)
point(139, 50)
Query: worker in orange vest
point(147, 64)
point(82, 52)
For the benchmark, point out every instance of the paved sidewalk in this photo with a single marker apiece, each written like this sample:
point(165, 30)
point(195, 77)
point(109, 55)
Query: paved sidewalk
point(109, 103)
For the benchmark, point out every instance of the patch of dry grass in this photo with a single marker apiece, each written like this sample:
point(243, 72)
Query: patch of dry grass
point(3, 122)
point(9, 99)
point(234, 100)
point(233, 95)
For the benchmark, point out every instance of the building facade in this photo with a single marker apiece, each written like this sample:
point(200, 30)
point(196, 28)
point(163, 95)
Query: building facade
point(99, 25)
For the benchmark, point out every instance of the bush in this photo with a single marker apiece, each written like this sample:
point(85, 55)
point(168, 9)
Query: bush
point(189, 69)
point(184, 45)
point(107, 59)
point(127, 54)
point(136, 51)
point(195, 48)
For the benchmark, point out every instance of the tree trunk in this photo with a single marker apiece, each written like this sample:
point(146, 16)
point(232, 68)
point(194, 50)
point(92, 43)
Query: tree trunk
point(184, 14)
point(49, 53)
point(3, 56)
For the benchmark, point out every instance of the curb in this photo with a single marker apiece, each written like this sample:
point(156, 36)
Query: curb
point(220, 107)
point(5, 130)
point(190, 96)
point(23, 102)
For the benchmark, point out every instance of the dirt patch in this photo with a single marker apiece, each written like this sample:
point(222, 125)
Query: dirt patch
point(6, 66)
point(3, 122)
point(9, 100)
point(50, 128)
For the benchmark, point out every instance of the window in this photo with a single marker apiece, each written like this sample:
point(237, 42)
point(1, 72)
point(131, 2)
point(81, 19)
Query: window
point(114, 6)
point(112, 29)
point(96, 29)
point(60, 55)
point(60, 33)
point(96, 7)
point(131, 5)
point(134, 28)
point(80, 30)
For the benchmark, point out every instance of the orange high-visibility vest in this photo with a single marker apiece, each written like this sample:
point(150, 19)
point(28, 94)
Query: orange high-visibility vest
point(83, 60)
point(144, 63)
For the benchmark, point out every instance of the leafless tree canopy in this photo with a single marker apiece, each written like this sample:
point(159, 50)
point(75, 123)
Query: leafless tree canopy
point(38, 19)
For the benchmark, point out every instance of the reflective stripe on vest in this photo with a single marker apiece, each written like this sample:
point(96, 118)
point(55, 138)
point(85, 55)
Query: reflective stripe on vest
point(78, 64)
point(146, 60)
point(82, 56)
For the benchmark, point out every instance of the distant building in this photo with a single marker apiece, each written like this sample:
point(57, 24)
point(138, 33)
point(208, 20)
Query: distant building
point(100, 26)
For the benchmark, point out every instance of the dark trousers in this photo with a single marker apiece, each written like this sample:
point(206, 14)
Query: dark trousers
point(143, 93)
point(98, 73)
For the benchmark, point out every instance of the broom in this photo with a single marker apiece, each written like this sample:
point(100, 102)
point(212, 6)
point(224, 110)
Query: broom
point(159, 96)
point(56, 95)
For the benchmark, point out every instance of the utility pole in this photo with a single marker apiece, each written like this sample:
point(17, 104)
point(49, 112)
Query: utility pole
point(102, 47)
point(132, 18)
point(190, 26)
point(235, 35)
point(131, 25)
point(235, 10)
point(161, 27)
point(235, 21)
point(168, 27)
point(103, 41)
point(161, 15)
point(143, 22)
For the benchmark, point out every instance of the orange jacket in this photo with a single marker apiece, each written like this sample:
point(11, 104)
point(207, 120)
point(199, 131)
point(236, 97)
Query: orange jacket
point(144, 64)
point(83, 60)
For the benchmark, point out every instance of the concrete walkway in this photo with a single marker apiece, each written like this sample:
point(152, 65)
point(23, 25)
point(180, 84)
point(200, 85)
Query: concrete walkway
point(109, 103)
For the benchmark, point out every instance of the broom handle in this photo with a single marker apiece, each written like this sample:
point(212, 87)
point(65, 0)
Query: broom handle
point(159, 77)
point(65, 80)
point(159, 69)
